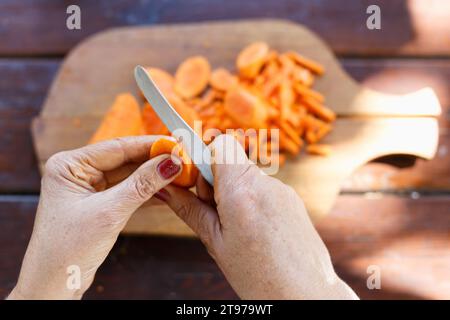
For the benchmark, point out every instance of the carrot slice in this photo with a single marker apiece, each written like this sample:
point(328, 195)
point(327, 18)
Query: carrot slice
point(319, 149)
point(222, 79)
point(152, 123)
point(189, 172)
point(192, 77)
point(251, 59)
point(307, 63)
point(246, 108)
point(163, 80)
point(122, 119)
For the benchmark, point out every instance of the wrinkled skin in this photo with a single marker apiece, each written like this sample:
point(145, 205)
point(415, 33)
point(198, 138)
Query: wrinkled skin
point(255, 227)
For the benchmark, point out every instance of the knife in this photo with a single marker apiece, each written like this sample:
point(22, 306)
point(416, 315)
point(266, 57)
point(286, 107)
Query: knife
point(191, 142)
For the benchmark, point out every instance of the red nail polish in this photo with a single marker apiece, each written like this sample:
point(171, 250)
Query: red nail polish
point(162, 195)
point(167, 168)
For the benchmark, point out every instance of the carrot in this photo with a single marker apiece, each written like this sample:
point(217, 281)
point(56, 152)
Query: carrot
point(303, 75)
point(192, 76)
point(319, 149)
point(287, 144)
point(251, 59)
point(287, 98)
point(152, 124)
point(245, 108)
point(187, 113)
point(320, 110)
point(308, 92)
point(122, 119)
point(307, 63)
point(221, 79)
point(163, 80)
point(189, 172)
point(290, 132)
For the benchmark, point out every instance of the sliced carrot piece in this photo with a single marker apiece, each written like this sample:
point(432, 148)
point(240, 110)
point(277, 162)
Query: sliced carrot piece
point(222, 79)
point(319, 149)
point(251, 59)
point(245, 108)
point(122, 119)
point(291, 133)
point(192, 77)
point(189, 172)
point(307, 63)
point(163, 80)
point(152, 123)
point(318, 109)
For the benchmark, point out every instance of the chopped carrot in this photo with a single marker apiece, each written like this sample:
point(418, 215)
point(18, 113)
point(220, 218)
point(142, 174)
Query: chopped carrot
point(251, 59)
point(122, 119)
point(307, 63)
point(189, 172)
point(245, 108)
point(192, 76)
point(187, 113)
point(304, 91)
point(152, 124)
point(320, 110)
point(319, 149)
point(222, 79)
point(163, 80)
point(269, 90)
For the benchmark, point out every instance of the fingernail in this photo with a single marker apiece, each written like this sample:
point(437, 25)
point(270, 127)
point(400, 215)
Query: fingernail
point(168, 168)
point(162, 195)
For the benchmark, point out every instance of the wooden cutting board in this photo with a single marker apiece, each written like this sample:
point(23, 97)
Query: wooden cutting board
point(369, 125)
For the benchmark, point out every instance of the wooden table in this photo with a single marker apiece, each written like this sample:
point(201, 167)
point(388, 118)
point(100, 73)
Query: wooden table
point(393, 212)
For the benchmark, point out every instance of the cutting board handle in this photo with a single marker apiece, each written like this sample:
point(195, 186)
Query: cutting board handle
point(423, 102)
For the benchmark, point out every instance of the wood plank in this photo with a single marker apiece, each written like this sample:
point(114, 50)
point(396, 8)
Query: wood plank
point(408, 238)
point(24, 84)
point(409, 27)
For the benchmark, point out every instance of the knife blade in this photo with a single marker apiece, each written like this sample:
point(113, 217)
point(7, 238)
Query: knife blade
point(191, 142)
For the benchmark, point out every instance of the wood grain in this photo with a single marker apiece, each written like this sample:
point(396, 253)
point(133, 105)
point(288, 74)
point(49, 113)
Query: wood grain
point(24, 84)
point(87, 83)
point(408, 238)
point(409, 27)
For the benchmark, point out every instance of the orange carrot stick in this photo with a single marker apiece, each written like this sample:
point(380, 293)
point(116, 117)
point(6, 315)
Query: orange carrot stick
point(304, 91)
point(122, 119)
point(307, 63)
point(320, 110)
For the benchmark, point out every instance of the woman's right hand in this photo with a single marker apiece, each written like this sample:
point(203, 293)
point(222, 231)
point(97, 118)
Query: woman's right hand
point(257, 230)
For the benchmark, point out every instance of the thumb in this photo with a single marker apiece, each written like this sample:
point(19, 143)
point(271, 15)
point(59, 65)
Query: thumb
point(143, 183)
point(230, 162)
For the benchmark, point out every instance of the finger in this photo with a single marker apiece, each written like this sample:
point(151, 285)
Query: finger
point(142, 184)
point(200, 217)
point(229, 160)
point(204, 191)
point(108, 155)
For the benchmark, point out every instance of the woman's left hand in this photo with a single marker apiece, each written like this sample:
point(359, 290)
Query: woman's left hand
point(87, 197)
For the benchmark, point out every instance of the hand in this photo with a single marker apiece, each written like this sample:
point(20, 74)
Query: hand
point(258, 231)
point(87, 196)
